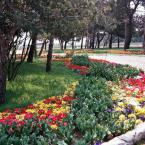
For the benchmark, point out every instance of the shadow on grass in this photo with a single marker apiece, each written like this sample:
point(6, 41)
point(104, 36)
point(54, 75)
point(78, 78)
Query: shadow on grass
point(33, 84)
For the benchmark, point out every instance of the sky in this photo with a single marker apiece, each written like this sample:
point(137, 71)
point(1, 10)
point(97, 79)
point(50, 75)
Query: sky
point(141, 10)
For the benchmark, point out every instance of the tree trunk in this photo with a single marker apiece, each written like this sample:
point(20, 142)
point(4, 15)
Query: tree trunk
point(87, 42)
point(46, 46)
point(144, 39)
point(73, 45)
point(118, 42)
point(93, 39)
point(32, 48)
point(98, 40)
point(82, 42)
point(43, 45)
point(3, 63)
point(106, 42)
point(2, 83)
point(128, 33)
point(98, 44)
point(49, 55)
point(110, 41)
point(61, 44)
point(65, 44)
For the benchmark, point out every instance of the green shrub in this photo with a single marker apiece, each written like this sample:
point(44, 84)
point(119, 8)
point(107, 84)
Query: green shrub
point(81, 60)
point(103, 70)
point(112, 72)
point(127, 71)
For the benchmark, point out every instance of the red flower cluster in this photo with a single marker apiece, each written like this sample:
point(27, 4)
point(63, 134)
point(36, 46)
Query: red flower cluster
point(135, 86)
point(102, 61)
point(138, 82)
point(52, 110)
point(83, 70)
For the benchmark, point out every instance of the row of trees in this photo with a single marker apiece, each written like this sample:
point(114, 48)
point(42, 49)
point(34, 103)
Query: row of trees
point(117, 19)
point(61, 19)
point(48, 19)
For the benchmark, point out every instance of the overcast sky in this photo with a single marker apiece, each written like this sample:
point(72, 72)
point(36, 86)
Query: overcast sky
point(141, 10)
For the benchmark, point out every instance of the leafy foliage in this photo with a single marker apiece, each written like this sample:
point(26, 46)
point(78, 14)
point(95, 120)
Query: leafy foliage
point(34, 133)
point(81, 60)
point(112, 72)
point(90, 110)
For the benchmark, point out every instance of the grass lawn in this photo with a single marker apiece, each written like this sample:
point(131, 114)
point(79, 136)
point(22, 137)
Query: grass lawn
point(58, 51)
point(33, 83)
point(103, 50)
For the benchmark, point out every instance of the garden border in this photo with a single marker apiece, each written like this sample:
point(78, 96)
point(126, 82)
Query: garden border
point(129, 138)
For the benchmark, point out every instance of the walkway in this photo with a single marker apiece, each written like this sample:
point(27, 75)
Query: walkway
point(133, 60)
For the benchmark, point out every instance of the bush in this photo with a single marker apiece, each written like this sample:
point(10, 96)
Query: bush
point(81, 60)
point(127, 71)
point(112, 72)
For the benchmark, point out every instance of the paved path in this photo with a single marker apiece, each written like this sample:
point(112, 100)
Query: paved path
point(133, 60)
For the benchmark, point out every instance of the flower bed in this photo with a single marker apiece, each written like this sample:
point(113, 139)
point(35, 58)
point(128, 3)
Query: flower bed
point(127, 107)
point(53, 110)
point(86, 51)
point(129, 100)
point(139, 52)
point(41, 119)
point(96, 109)
point(102, 68)
point(83, 70)
point(102, 61)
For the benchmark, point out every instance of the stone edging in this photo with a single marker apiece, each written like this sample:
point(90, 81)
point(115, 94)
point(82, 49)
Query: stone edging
point(130, 138)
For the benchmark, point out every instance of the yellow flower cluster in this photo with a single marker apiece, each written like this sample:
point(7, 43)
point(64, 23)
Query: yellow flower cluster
point(130, 108)
point(54, 108)
point(71, 90)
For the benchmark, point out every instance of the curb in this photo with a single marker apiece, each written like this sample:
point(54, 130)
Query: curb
point(130, 138)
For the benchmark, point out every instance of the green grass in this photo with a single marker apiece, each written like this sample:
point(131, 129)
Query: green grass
point(58, 51)
point(33, 83)
point(105, 50)
point(121, 48)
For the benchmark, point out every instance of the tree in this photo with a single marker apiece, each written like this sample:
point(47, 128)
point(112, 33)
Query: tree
point(15, 17)
point(62, 19)
point(116, 13)
point(129, 10)
point(49, 55)
point(101, 23)
point(144, 39)
point(8, 28)
point(32, 48)
point(15, 60)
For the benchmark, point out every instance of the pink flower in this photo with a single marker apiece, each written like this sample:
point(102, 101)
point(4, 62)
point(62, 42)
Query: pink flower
point(65, 124)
